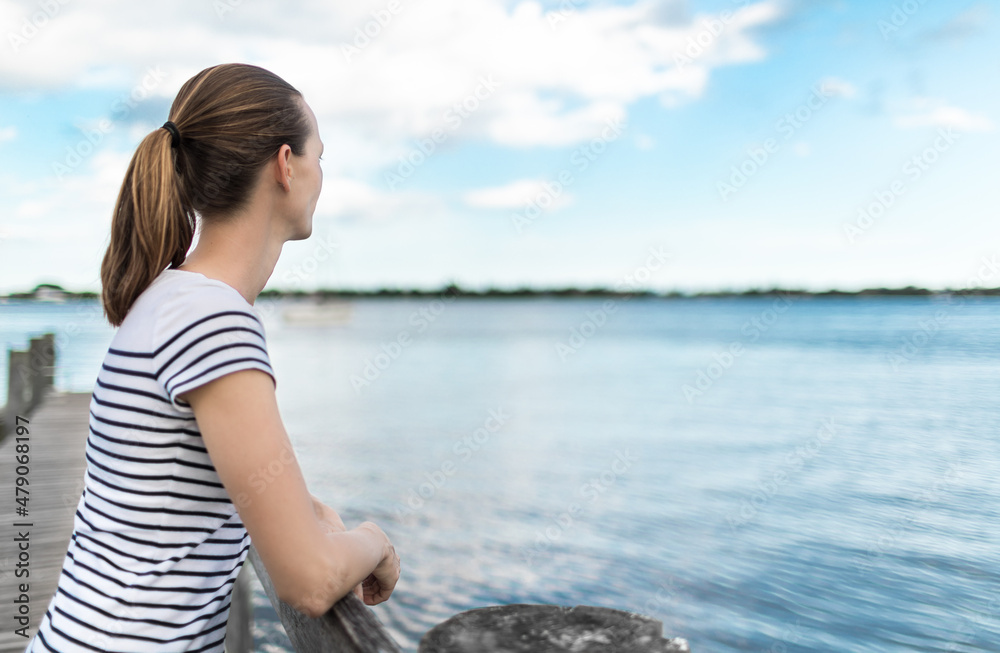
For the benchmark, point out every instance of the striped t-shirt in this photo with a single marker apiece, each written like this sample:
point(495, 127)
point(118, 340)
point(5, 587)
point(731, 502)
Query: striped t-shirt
point(157, 543)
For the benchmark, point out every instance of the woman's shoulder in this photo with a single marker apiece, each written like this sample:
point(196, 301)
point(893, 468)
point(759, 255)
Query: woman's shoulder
point(178, 298)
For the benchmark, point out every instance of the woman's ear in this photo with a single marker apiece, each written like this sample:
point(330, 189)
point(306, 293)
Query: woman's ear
point(283, 172)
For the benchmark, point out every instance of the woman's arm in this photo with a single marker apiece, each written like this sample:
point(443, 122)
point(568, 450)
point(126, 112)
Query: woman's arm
point(331, 522)
point(312, 566)
point(327, 515)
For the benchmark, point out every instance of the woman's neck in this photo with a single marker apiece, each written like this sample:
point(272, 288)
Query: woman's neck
point(241, 252)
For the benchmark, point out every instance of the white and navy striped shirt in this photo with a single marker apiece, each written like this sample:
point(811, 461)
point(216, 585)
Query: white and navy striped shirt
point(157, 543)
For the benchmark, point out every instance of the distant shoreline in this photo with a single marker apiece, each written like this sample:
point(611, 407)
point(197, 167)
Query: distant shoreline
point(51, 292)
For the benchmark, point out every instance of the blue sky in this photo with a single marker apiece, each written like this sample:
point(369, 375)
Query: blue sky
point(824, 106)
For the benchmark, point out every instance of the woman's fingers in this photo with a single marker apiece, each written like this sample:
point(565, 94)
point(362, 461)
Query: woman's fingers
point(374, 593)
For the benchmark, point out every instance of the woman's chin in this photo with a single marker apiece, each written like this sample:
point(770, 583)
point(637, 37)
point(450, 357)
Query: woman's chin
point(304, 232)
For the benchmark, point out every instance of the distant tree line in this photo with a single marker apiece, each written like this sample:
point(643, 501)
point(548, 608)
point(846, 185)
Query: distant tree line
point(49, 290)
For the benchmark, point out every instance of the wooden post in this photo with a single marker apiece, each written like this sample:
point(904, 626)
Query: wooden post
point(42, 355)
point(549, 628)
point(29, 377)
point(349, 627)
point(19, 388)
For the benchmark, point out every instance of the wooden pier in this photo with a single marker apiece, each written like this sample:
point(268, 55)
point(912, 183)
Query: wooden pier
point(42, 452)
point(56, 436)
point(55, 428)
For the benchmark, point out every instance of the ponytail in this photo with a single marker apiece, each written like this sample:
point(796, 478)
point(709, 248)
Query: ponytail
point(232, 119)
point(151, 226)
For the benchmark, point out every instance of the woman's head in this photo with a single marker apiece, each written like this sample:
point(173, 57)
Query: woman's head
point(231, 120)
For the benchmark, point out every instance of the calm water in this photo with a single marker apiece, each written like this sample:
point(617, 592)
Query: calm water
point(828, 481)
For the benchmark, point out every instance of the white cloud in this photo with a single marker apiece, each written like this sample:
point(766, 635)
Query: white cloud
point(343, 197)
point(7, 134)
point(558, 85)
point(838, 87)
point(517, 194)
point(943, 116)
point(75, 207)
point(422, 70)
point(644, 142)
point(965, 24)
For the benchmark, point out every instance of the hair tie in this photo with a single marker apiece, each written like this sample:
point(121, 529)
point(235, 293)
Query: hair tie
point(175, 136)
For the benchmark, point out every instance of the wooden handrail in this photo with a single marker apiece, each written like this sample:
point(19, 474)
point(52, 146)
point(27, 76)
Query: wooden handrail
point(351, 627)
point(348, 627)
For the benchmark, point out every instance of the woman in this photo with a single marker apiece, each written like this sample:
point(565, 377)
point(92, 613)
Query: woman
point(183, 420)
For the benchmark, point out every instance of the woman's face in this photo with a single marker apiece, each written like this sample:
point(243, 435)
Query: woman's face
point(307, 181)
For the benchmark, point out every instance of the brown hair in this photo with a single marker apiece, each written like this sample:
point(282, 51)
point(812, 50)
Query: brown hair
point(232, 119)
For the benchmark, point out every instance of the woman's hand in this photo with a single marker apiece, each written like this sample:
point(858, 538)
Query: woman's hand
point(380, 583)
point(331, 522)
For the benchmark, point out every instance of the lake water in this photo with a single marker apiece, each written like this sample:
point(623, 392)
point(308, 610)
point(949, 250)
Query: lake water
point(759, 474)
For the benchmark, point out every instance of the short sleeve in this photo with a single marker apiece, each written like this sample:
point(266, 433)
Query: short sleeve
point(204, 333)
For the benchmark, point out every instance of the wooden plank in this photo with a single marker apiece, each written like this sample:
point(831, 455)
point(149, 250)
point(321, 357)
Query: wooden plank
point(57, 439)
point(349, 627)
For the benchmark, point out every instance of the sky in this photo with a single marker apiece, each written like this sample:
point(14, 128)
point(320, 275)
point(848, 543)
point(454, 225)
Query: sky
point(687, 145)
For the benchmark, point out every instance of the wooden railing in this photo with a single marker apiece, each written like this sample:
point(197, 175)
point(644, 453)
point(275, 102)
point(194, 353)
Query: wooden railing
point(29, 377)
point(348, 627)
point(351, 627)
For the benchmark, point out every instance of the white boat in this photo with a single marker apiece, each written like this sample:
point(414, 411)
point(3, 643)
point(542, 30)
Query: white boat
point(317, 313)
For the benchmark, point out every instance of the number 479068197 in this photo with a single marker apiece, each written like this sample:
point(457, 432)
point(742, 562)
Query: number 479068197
point(21, 448)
